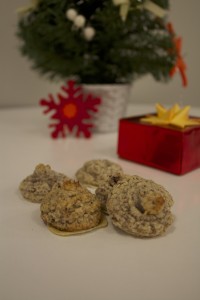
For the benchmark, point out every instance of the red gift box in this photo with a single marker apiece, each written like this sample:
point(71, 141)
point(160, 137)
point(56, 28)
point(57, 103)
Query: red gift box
point(164, 147)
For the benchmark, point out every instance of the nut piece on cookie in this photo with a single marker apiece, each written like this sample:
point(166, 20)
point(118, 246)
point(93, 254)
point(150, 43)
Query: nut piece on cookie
point(141, 208)
point(70, 207)
point(152, 204)
point(36, 186)
point(96, 172)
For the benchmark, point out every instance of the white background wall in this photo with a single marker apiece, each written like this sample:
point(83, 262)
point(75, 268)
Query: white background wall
point(19, 85)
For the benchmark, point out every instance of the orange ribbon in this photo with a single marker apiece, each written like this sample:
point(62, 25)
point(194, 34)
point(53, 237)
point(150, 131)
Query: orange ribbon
point(180, 64)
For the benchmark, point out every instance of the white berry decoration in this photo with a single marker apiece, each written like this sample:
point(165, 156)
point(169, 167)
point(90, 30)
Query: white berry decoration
point(89, 33)
point(71, 14)
point(79, 21)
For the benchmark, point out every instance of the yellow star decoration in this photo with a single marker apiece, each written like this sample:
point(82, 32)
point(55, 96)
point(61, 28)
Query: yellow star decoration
point(174, 116)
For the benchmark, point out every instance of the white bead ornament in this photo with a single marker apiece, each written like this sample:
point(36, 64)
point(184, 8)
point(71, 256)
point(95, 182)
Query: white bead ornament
point(88, 33)
point(71, 14)
point(79, 21)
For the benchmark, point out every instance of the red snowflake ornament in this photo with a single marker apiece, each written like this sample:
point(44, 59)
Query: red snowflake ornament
point(72, 110)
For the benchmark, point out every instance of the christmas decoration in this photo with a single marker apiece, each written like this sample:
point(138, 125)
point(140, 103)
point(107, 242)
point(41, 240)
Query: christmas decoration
point(154, 8)
point(160, 145)
point(124, 7)
point(89, 33)
point(103, 48)
point(73, 111)
point(174, 116)
point(143, 4)
point(179, 64)
point(71, 14)
point(25, 9)
point(79, 21)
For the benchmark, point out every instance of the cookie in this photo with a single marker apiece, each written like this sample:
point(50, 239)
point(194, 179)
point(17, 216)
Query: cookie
point(140, 207)
point(35, 187)
point(71, 208)
point(104, 190)
point(96, 172)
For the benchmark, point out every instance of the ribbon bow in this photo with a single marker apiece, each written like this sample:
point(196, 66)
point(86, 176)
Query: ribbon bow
point(175, 116)
point(25, 9)
point(148, 4)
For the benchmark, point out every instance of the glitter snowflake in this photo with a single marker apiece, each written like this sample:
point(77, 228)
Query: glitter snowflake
point(73, 111)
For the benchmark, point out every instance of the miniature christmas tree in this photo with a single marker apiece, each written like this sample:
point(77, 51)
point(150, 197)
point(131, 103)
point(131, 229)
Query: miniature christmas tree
point(99, 41)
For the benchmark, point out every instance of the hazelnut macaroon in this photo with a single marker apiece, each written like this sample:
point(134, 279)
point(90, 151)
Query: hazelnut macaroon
point(96, 172)
point(103, 192)
point(140, 207)
point(35, 186)
point(70, 207)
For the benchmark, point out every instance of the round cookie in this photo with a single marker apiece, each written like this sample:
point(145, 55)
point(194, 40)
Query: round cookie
point(104, 191)
point(140, 207)
point(70, 207)
point(34, 187)
point(96, 172)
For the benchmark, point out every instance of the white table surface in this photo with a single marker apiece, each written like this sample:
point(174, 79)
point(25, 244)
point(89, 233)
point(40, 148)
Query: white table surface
point(101, 265)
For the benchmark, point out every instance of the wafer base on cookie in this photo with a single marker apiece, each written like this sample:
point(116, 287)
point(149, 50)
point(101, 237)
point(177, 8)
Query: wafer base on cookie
point(103, 223)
